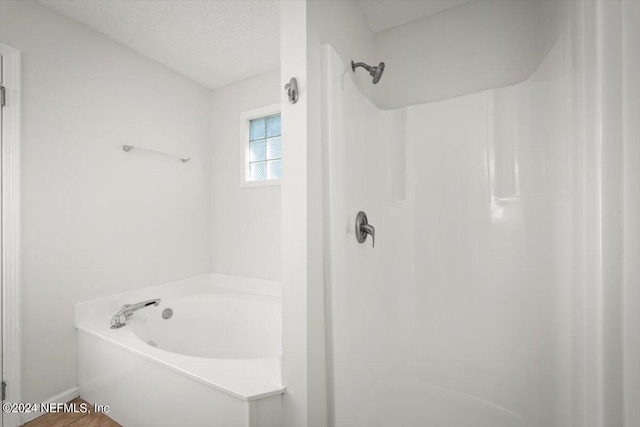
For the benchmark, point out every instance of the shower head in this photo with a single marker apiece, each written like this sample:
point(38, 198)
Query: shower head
point(375, 72)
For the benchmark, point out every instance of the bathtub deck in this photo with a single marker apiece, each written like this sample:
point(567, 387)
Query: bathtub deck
point(61, 419)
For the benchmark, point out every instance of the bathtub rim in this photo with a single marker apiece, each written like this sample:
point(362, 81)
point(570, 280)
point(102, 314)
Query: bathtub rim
point(111, 303)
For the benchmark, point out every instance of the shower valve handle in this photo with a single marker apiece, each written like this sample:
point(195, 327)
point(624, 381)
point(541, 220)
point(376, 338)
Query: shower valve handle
point(364, 229)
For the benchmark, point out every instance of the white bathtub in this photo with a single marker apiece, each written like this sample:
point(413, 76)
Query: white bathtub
point(214, 362)
point(216, 326)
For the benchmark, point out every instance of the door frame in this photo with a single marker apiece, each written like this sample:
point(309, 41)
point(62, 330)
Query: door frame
point(10, 221)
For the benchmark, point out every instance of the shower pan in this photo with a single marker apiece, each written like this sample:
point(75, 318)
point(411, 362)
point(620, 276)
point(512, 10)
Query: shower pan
point(483, 302)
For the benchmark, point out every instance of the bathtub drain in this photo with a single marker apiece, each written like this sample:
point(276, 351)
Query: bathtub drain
point(167, 313)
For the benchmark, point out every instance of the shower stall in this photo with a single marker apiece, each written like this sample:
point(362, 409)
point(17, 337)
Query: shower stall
point(502, 290)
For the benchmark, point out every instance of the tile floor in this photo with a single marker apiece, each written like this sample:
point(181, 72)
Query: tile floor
point(71, 419)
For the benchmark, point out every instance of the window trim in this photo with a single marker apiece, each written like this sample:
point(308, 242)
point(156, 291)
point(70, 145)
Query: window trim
point(245, 117)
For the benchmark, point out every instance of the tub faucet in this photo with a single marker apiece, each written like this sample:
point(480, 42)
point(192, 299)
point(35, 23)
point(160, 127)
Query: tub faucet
point(120, 318)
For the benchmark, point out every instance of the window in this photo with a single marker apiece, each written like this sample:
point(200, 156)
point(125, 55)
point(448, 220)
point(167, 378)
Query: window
point(265, 148)
point(261, 147)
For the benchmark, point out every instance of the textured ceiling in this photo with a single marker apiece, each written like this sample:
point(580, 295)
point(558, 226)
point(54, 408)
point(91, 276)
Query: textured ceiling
point(212, 42)
point(384, 14)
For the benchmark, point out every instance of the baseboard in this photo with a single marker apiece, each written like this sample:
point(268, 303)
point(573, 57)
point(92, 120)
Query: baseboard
point(63, 397)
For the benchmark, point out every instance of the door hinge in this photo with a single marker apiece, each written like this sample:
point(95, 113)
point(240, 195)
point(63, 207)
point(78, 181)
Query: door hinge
point(4, 390)
point(2, 98)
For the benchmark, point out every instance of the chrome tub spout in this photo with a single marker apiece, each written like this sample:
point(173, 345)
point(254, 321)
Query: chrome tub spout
point(120, 318)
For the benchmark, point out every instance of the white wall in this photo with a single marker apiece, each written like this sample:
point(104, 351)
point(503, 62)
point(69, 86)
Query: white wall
point(343, 25)
point(245, 231)
point(293, 63)
point(96, 220)
point(304, 365)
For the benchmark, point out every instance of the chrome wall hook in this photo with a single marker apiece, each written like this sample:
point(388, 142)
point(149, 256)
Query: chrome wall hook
point(292, 90)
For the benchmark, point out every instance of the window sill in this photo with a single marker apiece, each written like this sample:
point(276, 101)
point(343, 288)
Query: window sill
point(257, 184)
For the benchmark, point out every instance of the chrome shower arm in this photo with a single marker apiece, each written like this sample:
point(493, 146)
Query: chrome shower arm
point(355, 65)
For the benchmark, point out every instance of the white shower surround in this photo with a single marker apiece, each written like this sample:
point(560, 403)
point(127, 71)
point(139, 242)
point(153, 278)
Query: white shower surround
point(499, 298)
point(215, 362)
